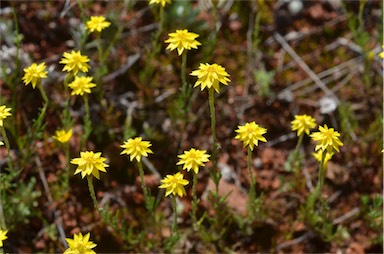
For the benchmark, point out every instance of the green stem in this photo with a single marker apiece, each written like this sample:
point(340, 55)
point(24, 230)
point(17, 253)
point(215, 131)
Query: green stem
point(296, 163)
point(216, 174)
point(174, 226)
point(6, 141)
point(320, 181)
point(87, 122)
point(249, 163)
point(183, 70)
point(194, 201)
point(46, 102)
point(145, 191)
point(92, 191)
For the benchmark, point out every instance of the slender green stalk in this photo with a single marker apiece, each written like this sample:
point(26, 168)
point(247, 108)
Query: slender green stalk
point(295, 162)
point(92, 191)
point(67, 166)
point(145, 191)
point(194, 201)
point(46, 102)
point(214, 172)
point(249, 164)
point(320, 181)
point(3, 225)
point(6, 141)
point(87, 122)
point(183, 70)
point(174, 225)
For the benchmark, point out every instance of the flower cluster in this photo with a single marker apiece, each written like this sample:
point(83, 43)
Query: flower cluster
point(81, 85)
point(97, 23)
point(136, 148)
point(80, 244)
point(90, 163)
point(4, 113)
point(75, 62)
point(303, 124)
point(174, 184)
point(210, 75)
point(327, 139)
point(193, 159)
point(63, 136)
point(34, 74)
point(251, 133)
point(182, 40)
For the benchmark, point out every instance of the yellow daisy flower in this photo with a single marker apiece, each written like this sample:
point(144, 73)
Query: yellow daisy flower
point(3, 236)
point(174, 184)
point(251, 133)
point(4, 113)
point(193, 159)
point(161, 2)
point(327, 139)
point(34, 74)
point(181, 40)
point(75, 62)
point(90, 163)
point(209, 75)
point(303, 123)
point(319, 154)
point(81, 85)
point(1, 143)
point(80, 244)
point(136, 148)
point(63, 136)
point(97, 23)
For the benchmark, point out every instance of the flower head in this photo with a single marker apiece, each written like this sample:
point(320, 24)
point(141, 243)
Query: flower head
point(1, 143)
point(3, 236)
point(209, 75)
point(63, 136)
point(4, 113)
point(97, 23)
point(81, 85)
point(381, 54)
point(174, 184)
point(193, 159)
point(327, 139)
point(181, 40)
point(75, 62)
point(34, 74)
point(319, 154)
point(80, 244)
point(90, 163)
point(303, 123)
point(136, 148)
point(162, 2)
point(250, 134)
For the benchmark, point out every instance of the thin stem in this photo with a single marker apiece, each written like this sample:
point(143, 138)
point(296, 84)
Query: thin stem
point(216, 175)
point(296, 157)
point(183, 70)
point(6, 141)
point(87, 122)
point(174, 226)
point(46, 102)
point(145, 191)
point(249, 164)
point(321, 175)
point(92, 191)
point(194, 201)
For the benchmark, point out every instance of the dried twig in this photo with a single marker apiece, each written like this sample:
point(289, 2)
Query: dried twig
point(346, 216)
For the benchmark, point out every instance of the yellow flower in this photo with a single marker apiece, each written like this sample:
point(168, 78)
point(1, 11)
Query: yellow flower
point(74, 62)
point(162, 2)
point(80, 245)
point(81, 85)
point(193, 159)
point(381, 54)
point(174, 184)
point(328, 139)
point(90, 163)
point(318, 156)
point(303, 123)
point(250, 134)
point(63, 136)
point(97, 23)
point(210, 75)
point(1, 143)
point(136, 148)
point(4, 113)
point(181, 40)
point(34, 74)
point(3, 236)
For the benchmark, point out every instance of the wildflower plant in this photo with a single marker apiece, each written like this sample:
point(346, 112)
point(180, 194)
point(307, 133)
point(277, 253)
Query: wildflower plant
point(80, 244)
point(89, 164)
point(136, 148)
point(193, 159)
point(250, 134)
point(210, 76)
point(183, 40)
